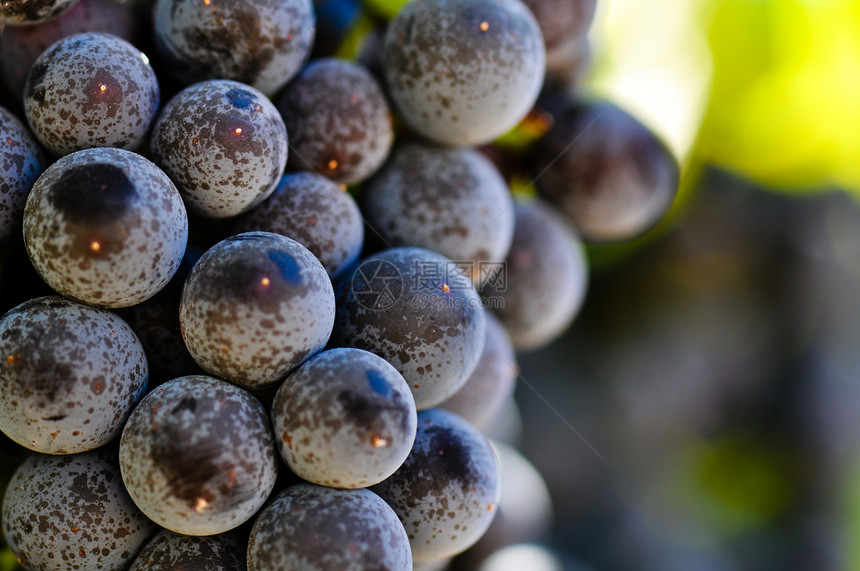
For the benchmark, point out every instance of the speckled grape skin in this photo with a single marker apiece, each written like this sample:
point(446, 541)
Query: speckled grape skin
point(254, 307)
point(263, 43)
point(224, 145)
point(452, 201)
point(197, 455)
point(69, 377)
point(612, 176)
point(546, 278)
point(433, 332)
point(21, 45)
point(338, 120)
point(463, 72)
point(488, 390)
point(106, 227)
point(21, 163)
point(26, 12)
point(313, 528)
point(91, 90)
point(447, 491)
point(316, 213)
point(72, 513)
point(345, 419)
point(170, 551)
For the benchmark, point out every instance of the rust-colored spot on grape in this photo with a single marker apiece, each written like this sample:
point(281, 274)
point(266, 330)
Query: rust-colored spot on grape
point(265, 282)
point(378, 441)
point(446, 288)
point(288, 439)
point(200, 505)
point(95, 246)
point(484, 26)
point(332, 165)
point(10, 359)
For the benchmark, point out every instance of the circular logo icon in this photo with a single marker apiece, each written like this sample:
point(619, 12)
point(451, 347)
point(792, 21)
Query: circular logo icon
point(377, 285)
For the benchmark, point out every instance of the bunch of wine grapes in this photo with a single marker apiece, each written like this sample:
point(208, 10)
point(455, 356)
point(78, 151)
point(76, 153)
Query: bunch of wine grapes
point(261, 303)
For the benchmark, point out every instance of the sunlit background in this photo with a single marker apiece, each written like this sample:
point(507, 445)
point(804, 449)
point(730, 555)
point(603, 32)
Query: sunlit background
point(712, 382)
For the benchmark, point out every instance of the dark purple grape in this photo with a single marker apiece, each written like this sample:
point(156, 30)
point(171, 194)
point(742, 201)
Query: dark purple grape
point(450, 200)
point(258, 42)
point(316, 213)
point(606, 171)
point(313, 528)
point(21, 163)
point(91, 90)
point(545, 278)
point(69, 376)
point(345, 419)
point(197, 455)
point(491, 386)
point(564, 25)
point(447, 492)
point(418, 311)
point(464, 71)
point(21, 45)
point(64, 513)
point(338, 120)
point(224, 145)
point(26, 12)
point(106, 227)
point(170, 551)
point(254, 307)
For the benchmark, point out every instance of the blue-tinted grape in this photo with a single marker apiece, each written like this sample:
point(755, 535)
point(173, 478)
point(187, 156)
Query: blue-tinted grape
point(64, 513)
point(313, 528)
point(316, 213)
point(604, 169)
point(21, 163)
point(447, 492)
point(170, 551)
point(545, 278)
point(69, 376)
point(345, 418)
point(106, 227)
point(484, 395)
point(91, 90)
point(254, 307)
point(224, 145)
point(338, 120)
point(24, 12)
point(453, 201)
point(197, 455)
point(21, 45)
point(258, 42)
point(464, 71)
point(418, 311)
point(564, 25)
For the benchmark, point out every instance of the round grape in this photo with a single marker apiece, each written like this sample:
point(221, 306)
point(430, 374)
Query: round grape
point(69, 377)
point(20, 46)
point(21, 163)
point(564, 25)
point(197, 455)
point(453, 201)
point(91, 90)
point(313, 528)
point(24, 12)
point(464, 72)
point(64, 513)
point(419, 312)
point(258, 42)
point(606, 171)
point(254, 307)
point(106, 227)
point(484, 395)
point(546, 275)
point(345, 419)
point(224, 145)
point(316, 213)
point(170, 551)
point(447, 491)
point(338, 120)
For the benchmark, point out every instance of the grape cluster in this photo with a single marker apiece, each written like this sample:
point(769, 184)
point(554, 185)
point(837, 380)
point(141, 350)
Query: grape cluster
point(223, 357)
